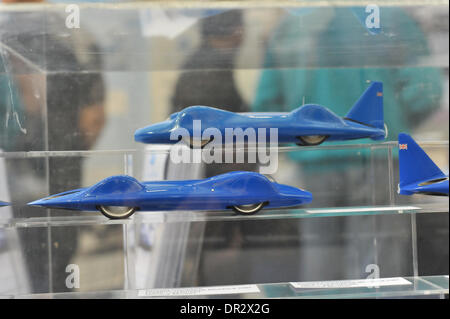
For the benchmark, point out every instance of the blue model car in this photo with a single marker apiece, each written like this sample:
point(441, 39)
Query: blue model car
point(120, 196)
point(310, 124)
point(3, 203)
point(418, 173)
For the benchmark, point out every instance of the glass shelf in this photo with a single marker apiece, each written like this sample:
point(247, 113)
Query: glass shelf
point(165, 149)
point(92, 218)
point(421, 287)
point(374, 182)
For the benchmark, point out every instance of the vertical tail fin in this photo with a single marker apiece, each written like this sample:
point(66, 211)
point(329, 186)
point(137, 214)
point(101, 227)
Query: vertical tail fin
point(369, 107)
point(415, 165)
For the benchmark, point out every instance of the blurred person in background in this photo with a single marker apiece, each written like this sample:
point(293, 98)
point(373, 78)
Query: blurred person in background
point(207, 79)
point(62, 110)
point(326, 56)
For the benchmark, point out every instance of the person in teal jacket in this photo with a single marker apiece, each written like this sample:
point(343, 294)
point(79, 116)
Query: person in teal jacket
point(327, 56)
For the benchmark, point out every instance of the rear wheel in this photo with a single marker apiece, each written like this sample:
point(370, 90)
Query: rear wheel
point(248, 209)
point(117, 212)
point(311, 140)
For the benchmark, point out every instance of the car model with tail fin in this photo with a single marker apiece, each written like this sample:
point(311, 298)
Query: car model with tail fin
point(308, 125)
point(418, 173)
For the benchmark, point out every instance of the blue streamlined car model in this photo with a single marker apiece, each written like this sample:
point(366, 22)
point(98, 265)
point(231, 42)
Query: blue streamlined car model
point(310, 124)
point(418, 173)
point(120, 196)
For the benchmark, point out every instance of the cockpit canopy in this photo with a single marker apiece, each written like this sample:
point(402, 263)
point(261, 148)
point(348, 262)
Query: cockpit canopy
point(316, 112)
point(116, 185)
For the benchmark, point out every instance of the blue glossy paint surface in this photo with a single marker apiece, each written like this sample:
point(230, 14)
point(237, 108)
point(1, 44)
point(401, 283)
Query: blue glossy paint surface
point(4, 203)
point(215, 193)
point(364, 120)
point(418, 173)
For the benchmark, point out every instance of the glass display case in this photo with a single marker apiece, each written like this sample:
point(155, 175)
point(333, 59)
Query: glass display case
point(77, 80)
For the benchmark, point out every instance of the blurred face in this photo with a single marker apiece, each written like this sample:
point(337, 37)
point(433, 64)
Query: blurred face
point(230, 41)
point(90, 123)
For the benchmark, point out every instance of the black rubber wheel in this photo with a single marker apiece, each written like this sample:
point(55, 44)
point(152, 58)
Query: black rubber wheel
point(117, 212)
point(311, 140)
point(248, 209)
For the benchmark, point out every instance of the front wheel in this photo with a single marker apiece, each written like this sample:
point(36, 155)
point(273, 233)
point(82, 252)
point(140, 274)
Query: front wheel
point(117, 212)
point(311, 140)
point(196, 143)
point(248, 209)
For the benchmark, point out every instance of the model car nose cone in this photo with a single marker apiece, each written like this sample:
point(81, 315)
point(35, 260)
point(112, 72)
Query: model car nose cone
point(58, 200)
point(36, 203)
point(45, 202)
point(156, 133)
